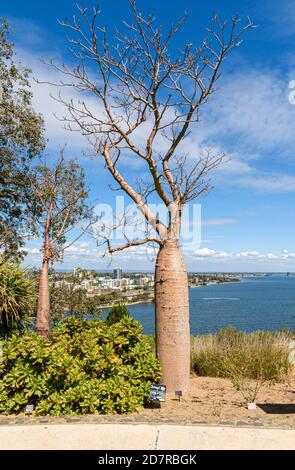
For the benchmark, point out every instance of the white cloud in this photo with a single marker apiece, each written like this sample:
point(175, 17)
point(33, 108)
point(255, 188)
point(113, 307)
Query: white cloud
point(87, 255)
point(207, 223)
point(52, 110)
point(288, 255)
point(242, 255)
point(33, 251)
point(249, 118)
point(251, 104)
point(268, 182)
point(204, 252)
point(85, 244)
point(213, 222)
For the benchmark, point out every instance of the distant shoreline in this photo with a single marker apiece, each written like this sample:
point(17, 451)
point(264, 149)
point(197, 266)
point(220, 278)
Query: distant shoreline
point(215, 284)
point(151, 301)
point(148, 301)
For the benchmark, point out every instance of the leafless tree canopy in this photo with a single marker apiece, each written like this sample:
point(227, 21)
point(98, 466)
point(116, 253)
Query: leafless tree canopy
point(149, 93)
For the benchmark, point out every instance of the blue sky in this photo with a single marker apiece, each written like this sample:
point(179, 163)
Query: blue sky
point(248, 219)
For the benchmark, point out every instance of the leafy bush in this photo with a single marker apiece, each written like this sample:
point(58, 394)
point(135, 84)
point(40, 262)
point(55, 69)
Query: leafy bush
point(16, 295)
point(260, 355)
point(116, 313)
point(87, 367)
point(72, 300)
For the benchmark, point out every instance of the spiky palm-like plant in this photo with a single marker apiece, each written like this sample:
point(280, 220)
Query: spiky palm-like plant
point(16, 295)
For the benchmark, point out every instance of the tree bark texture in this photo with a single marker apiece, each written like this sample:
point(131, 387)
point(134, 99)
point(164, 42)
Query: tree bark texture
point(43, 309)
point(172, 317)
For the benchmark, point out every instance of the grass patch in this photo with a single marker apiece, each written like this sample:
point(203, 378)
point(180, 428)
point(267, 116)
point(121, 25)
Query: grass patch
point(257, 355)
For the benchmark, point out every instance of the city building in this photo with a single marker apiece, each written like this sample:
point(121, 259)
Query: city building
point(118, 273)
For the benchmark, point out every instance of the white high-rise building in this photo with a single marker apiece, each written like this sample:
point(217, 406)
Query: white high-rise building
point(117, 273)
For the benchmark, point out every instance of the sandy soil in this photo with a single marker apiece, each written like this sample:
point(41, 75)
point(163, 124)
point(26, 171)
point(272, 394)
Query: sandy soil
point(209, 401)
point(216, 399)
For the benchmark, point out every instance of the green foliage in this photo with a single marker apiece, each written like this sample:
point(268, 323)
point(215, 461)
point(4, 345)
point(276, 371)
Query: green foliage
point(87, 367)
point(58, 204)
point(16, 296)
point(72, 299)
point(260, 355)
point(21, 137)
point(116, 313)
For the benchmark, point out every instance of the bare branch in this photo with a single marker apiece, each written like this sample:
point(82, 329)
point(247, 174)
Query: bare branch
point(132, 243)
point(145, 97)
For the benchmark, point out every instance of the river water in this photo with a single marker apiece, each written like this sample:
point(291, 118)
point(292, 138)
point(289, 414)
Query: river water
point(255, 303)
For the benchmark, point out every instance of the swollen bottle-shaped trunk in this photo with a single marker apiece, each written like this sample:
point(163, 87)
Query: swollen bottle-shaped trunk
point(172, 317)
point(43, 309)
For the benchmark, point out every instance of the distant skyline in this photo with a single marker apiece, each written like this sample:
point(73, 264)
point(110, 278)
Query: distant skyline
point(248, 220)
point(60, 269)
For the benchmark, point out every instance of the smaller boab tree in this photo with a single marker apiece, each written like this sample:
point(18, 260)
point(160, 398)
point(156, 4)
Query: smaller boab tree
point(59, 206)
point(148, 94)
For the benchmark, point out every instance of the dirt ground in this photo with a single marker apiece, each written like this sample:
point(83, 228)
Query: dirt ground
point(215, 399)
point(210, 401)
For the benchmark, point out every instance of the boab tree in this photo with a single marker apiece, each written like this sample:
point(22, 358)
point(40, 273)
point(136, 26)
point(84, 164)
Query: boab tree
point(59, 205)
point(148, 94)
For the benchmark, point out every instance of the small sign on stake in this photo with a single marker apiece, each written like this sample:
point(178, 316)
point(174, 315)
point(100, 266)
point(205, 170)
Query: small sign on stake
point(252, 406)
point(29, 409)
point(178, 394)
point(158, 393)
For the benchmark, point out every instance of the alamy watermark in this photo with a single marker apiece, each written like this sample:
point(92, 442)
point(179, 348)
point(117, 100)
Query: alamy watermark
point(292, 92)
point(121, 221)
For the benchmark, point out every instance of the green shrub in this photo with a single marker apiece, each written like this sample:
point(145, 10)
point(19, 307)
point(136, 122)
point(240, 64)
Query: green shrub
point(116, 313)
point(16, 296)
point(87, 367)
point(259, 355)
point(72, 300)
